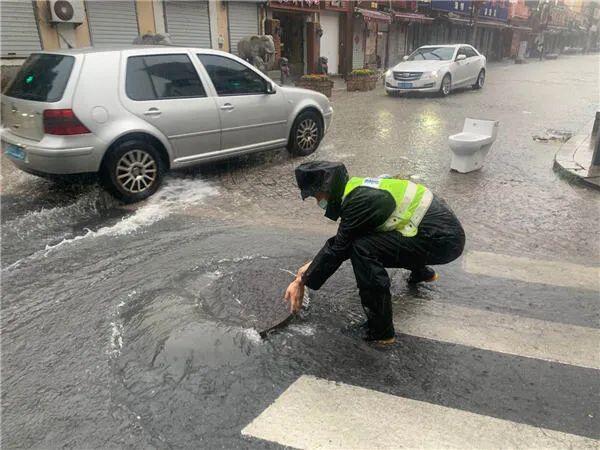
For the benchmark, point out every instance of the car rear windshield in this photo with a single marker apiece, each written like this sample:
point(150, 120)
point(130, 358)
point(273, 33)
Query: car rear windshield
point(432, 54)
point(42, 78)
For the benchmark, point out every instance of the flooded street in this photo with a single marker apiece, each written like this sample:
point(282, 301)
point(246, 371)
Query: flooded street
point(139, 326)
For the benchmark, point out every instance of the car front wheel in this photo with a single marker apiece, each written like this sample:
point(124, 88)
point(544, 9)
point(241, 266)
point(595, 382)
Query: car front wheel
point(480, 80)
point(132, 171)
point(446, 85)
point(306, 134)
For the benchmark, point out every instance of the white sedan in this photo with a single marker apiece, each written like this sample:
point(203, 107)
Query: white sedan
point(437, 68)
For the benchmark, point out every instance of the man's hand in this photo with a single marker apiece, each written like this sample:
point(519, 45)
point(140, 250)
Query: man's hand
point(295, 295)
point(301, 270)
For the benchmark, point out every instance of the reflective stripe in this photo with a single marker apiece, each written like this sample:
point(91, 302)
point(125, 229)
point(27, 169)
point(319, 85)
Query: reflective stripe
point(409, 194)
point(412, 227)
point(422, 208)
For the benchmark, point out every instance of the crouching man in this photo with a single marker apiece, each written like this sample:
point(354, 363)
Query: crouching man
point(384, 222)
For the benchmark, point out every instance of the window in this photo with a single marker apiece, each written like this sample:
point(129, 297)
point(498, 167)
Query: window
point(469, 52)
point(160, 77)
point(432, 53)
point(462, 51)
point(232, 78)
point(42, 78)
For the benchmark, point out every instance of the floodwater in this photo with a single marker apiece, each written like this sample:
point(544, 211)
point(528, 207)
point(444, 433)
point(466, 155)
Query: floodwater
point(138, 326)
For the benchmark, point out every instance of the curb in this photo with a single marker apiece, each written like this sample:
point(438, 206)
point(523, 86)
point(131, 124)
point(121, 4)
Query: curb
point(573, 160)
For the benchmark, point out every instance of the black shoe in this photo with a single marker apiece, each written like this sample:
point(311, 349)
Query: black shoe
point(379, 341)
point(425, 275)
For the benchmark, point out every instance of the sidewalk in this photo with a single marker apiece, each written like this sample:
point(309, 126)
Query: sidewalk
point(574, 158)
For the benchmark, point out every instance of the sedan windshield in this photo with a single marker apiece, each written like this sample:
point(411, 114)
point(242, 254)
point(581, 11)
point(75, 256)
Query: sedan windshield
point(432, 54)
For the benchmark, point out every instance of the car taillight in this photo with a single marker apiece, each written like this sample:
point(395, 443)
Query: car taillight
point(63, 122)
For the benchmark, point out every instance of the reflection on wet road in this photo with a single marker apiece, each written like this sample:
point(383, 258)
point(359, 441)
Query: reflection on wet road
point(137, 326)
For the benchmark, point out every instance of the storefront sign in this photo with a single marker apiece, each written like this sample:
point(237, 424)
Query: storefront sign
point(295, 4)
point(338, 5)
point(495, 10)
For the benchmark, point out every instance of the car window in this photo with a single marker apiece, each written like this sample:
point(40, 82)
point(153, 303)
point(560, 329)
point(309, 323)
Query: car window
point(160, 77)
point(470, 52)
point(462, 51)
point(432, 53)
point(42, 78)
point(232, 78)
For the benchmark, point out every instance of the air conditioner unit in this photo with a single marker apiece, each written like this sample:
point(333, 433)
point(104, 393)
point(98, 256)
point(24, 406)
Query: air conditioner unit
point(66, 11)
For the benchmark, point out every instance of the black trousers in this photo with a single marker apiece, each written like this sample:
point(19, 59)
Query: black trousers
point(372, 253)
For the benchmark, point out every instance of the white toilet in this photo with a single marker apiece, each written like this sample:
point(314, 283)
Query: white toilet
point(470, 147)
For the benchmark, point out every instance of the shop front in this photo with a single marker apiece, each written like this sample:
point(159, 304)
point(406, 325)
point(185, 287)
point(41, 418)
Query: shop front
point(295, 30)
point(401, 31)
point(335, 20)
point(370, 35)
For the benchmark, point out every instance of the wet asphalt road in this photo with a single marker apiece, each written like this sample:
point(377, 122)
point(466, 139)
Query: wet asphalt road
point(133, 326)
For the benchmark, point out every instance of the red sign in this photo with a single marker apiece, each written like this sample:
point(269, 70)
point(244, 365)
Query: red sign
point(295, 4)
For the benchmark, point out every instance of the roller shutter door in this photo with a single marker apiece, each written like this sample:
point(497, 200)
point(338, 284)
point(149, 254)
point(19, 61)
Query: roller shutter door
point(188, 23)
point(19, 34)
point(112, 22)
point(243, 22)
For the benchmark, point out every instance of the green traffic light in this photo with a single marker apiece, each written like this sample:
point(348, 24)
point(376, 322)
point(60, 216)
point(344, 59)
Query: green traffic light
point(29, 79)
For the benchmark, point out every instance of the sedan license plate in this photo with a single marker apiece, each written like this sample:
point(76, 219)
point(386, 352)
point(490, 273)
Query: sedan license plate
point(405, 85)
point(15, 152)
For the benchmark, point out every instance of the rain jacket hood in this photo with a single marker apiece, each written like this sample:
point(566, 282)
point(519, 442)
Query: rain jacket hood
point(323, 176)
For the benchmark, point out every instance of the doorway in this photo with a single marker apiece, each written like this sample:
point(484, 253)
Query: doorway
point(293, 37)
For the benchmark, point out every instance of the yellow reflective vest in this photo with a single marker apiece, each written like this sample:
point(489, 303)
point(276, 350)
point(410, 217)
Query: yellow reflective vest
point(412, 202)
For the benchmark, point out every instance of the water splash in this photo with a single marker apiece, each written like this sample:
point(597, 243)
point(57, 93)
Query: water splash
point(176, 196)
point(304, 330)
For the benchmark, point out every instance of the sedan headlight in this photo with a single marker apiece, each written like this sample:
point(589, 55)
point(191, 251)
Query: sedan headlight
point(388, 73)
point(433, 74)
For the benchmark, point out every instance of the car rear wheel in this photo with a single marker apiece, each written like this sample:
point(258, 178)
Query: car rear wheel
point(306, 134)
point(480, 80)
point(133, 170)
point(446, 85)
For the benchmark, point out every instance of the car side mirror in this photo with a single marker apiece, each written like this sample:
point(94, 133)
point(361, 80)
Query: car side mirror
point(405, 58)
point(461, 57)
point(271, 89)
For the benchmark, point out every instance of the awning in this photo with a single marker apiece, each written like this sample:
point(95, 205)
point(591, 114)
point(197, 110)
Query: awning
point(492, 24)
point(521, 28)
point(412, 17)
point(370, 15)
point(556, 29)
point(480, 23)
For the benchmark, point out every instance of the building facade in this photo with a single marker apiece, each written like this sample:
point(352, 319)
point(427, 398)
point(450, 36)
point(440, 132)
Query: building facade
point(350, 34)
point(27, 25)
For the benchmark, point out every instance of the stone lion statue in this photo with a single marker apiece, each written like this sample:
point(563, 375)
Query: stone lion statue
point(153, 39)
point(258, 51)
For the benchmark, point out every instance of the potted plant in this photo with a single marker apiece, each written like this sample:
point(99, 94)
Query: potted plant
point(361, 80)
point(317, 82)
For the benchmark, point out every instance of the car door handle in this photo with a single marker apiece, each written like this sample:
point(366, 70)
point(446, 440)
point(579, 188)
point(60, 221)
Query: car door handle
point(227, 107)
point(154, 112)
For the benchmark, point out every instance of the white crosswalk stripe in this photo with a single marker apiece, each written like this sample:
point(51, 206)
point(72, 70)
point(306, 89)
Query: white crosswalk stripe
point(533, 270)
point(318, 414)
point(504, 333)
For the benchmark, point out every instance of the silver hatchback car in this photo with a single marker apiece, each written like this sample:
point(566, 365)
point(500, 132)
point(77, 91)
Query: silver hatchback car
point(132, 113)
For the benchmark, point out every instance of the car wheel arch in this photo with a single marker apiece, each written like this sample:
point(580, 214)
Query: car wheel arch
point(303, 110)
point(140, 135)
point(447, 74)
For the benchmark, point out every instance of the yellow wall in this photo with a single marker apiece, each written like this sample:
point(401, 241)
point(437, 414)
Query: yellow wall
point(222, 20)
point(49, 35)
point(82, 34)
point(145, 16)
